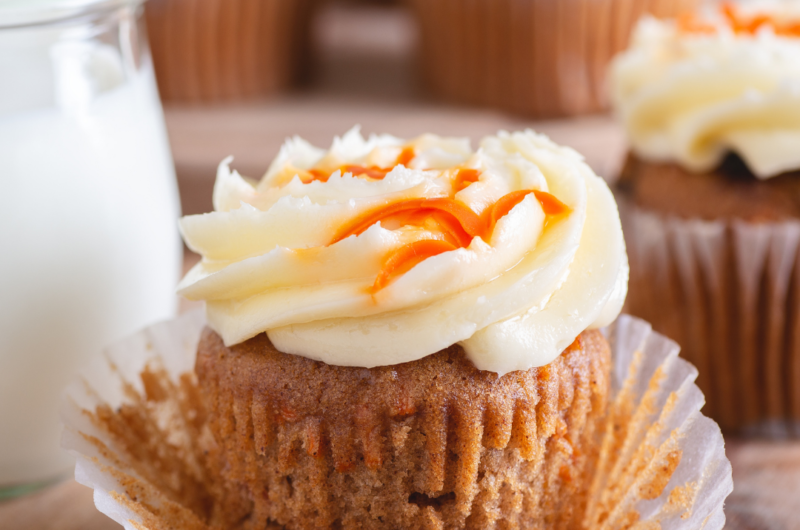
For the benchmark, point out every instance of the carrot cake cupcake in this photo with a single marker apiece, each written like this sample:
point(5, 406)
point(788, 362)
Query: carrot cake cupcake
point(711, 104)
point(404, 334)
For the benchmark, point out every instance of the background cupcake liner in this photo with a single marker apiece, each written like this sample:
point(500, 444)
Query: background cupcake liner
point(214, 50)
point(662, 463)
point(536, 57)
point(727, 290)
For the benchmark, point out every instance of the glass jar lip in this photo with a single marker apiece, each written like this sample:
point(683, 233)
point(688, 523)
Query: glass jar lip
point(17, 13)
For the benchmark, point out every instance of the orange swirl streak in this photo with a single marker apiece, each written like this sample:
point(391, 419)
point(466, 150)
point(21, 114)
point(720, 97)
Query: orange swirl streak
point(373, 172)
point(550, 204)
point(459, 215)
point(457, 223)
point(406, 257)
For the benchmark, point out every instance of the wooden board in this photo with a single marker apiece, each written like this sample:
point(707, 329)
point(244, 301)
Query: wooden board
point(766, 485)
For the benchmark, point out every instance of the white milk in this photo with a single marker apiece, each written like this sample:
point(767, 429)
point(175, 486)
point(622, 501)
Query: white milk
point(89, 247)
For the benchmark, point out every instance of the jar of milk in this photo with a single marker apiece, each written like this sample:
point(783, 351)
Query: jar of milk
point(89, 247)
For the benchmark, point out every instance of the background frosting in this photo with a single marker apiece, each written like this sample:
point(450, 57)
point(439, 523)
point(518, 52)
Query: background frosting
point(691, 96)
point(514, 300)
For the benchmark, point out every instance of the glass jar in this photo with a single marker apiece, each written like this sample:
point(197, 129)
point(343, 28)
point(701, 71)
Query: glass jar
point(88, 222)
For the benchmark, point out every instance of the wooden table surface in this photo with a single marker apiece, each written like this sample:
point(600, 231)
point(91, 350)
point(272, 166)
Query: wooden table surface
point(766, 474)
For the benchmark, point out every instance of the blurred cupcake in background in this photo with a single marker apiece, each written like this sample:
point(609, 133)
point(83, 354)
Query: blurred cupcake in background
point(223, 50)
point(711, 104)
point(534, 57)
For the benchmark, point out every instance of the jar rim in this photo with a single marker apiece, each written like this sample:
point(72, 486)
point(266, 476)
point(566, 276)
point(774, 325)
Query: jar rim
point(20, 13)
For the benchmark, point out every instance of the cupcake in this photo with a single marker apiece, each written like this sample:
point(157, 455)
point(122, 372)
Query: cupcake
point(534, 57)
point(215, 50)
point(402, 334)
point(711, 104)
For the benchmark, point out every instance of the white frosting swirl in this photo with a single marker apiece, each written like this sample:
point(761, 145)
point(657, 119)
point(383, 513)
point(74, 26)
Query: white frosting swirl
point(513, 299)
point(692, 96)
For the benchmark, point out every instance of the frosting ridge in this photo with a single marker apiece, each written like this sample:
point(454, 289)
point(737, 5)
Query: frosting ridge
point(692, 90)
point(381, 251)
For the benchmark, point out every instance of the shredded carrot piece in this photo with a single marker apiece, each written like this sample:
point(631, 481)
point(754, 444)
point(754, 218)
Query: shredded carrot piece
point(406, 156)
point(465, 177)
point(373, 172)
point(550, 204)
point(407, 257)
point(740, 24)
point(731, 14)
point(463, 215)
point(452, 230)
point(689, 23)
point(317, 174)
point(455, 221)
point(504, 205)
point(757, 22)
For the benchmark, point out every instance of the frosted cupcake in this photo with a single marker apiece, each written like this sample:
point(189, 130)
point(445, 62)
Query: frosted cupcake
point(402, 334)
point(711, 104)
point(408, 331)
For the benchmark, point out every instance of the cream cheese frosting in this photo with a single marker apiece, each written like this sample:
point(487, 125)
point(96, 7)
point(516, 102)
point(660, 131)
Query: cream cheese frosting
point(306, 254)
point(692, 91)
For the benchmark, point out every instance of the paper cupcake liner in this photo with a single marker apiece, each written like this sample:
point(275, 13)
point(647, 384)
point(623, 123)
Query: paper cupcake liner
point(727, 291)
point(662, 463)
point(536, 57)
point(215, 50)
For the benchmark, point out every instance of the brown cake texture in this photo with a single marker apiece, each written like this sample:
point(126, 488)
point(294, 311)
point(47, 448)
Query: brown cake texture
point(729, 192)
point(715, 265)
point(430, 444)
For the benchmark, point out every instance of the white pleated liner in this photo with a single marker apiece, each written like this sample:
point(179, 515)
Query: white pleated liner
point(171, 345)
point(654, 411)
point(729, 292)
point(655, 414)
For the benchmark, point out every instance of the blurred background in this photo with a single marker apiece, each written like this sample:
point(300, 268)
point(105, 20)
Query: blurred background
point(236, 77)
point(318, 68)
